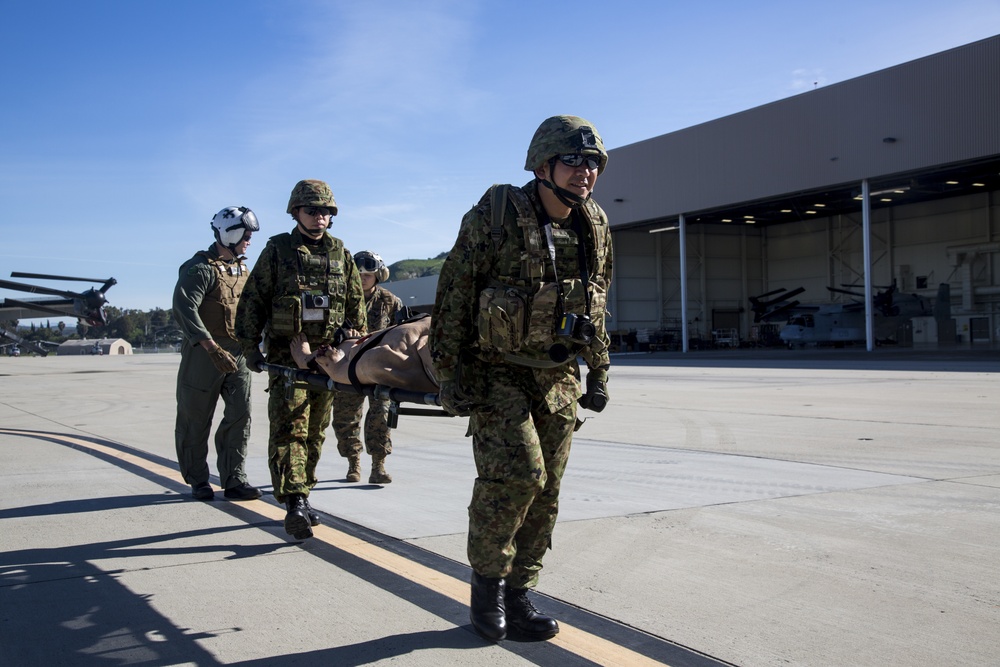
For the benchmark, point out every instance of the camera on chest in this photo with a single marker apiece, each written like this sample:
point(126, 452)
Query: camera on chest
point(577, 328)
point(319, 301)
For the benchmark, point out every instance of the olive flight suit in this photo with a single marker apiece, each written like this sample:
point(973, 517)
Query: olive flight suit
point(204, 306)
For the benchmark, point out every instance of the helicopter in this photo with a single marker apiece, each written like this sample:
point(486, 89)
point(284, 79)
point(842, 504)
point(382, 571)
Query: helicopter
point(87, 305)
point(840, 323)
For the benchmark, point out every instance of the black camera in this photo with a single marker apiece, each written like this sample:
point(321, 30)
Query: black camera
point(578, 328)
point(316, 301)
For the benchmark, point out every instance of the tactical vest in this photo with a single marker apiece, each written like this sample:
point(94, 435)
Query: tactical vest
point(218, 308)
point(305, 276)
point(520, 310)
point(381, 309)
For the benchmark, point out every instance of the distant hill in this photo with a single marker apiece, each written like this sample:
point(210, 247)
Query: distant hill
point(405, 269)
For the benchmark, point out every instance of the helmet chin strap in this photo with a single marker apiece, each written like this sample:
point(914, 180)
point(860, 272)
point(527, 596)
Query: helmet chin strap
point(568, 198)
point(309, 234)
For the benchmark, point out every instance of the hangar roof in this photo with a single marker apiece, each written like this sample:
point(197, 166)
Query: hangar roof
point(926, 129)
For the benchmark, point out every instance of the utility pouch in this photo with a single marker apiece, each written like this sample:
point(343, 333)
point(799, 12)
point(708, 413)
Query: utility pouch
point(286, 316)
point(542, 320)
point(501, 319)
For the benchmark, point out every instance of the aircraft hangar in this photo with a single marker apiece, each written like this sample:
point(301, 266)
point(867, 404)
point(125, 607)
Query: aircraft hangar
point(887, 179)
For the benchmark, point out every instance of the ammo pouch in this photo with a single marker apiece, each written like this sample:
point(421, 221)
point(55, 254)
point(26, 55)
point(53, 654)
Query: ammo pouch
point(543, 316)
point(510, 322)
point(501, 322)
point(286, 316)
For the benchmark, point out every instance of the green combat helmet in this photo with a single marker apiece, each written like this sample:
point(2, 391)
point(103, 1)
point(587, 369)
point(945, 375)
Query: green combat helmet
point(560, 135)
point(312, 193)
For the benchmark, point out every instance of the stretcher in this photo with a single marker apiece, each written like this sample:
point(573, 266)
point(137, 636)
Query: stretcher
point(305, 378)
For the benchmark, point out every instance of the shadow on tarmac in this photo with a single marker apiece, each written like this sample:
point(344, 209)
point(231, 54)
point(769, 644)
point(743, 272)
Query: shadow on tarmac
point(91, 616)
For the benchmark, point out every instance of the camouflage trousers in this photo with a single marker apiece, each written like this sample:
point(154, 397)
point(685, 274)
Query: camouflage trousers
point(298, 430)
point(521, 452)
point(199, 386)
point(347, 411)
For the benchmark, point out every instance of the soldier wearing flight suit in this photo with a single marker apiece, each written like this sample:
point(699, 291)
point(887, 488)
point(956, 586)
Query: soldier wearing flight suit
point(384, 309)
point(212, 363)
point(520, 297)
point(304, 281)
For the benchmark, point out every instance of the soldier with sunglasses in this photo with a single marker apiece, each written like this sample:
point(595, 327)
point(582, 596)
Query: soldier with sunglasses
point(305, 281)
point(520, 298)
point(212, 364)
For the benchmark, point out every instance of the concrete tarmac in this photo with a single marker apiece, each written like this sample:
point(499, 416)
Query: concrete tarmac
point(731, 507)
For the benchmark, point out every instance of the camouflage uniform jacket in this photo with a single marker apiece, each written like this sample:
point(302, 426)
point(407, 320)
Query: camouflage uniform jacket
point(271, 301)
point(478, 261)
point(382, 309)
point(205, 297)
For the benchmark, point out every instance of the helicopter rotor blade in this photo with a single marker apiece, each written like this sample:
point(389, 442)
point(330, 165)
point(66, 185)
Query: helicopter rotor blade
point(40, 306)
point(848, 292)
point(38, 289)
point(45, 276)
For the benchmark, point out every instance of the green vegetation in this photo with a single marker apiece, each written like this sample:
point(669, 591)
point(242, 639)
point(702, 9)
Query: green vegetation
point(405, 269)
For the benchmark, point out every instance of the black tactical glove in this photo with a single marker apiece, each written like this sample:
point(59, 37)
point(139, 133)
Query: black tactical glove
point(254, 359)
point(596, 397)
point(453, 400)
point(223, 361)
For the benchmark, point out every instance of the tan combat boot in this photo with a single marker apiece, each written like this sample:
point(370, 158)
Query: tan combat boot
point(379, 475)
point(354, 468)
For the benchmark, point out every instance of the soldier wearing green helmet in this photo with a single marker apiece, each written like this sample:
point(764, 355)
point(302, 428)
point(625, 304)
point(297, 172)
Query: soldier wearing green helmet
point(520, 298)
point(304, 287)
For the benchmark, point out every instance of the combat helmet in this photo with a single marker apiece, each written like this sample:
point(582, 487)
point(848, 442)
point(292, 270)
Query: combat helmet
point(311, 193)
point(560, 135)
point(231, 223)
point(369, 262)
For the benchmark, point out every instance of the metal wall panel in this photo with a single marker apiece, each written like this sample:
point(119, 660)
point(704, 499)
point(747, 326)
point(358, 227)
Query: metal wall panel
point(939, 110)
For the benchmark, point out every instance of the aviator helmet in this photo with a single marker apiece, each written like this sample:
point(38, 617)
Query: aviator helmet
point(231, 224)
point(369, 262)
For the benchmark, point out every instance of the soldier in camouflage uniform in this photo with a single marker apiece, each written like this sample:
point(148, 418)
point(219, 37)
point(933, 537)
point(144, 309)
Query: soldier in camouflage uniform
point(520, 297)
point(304, 281)
point(384, 309)
point(212, 364)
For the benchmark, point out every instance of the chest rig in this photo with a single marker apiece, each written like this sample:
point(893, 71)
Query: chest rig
point(218, 308)
point(310, 287)
point(540, 300)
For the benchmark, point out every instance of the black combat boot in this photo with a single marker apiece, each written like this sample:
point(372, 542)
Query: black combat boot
point(313, 514)
point(297, 520)
point(486, 611)
point(524, 619)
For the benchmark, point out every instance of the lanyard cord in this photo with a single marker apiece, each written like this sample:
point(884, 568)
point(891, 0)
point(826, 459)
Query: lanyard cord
point(577, 227)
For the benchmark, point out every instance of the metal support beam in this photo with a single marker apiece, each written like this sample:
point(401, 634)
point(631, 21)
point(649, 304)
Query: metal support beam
point(682, 223)
point(866, 223)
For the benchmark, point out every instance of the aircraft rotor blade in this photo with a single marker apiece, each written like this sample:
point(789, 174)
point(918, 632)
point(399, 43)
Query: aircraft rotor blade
point(40, 306)
point(45, 276)
point(37, 289)
point(848, 292)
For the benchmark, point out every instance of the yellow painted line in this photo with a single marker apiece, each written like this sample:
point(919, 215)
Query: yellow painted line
point(572, 639)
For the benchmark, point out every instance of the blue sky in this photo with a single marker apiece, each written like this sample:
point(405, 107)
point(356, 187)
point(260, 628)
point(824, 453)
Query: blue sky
point(125, 125)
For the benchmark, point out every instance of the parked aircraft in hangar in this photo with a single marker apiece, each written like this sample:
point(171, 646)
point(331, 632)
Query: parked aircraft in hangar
point(843, 323)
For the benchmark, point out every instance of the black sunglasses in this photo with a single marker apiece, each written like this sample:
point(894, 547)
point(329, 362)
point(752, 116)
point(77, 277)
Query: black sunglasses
point(315, 211)
point(593, 162)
